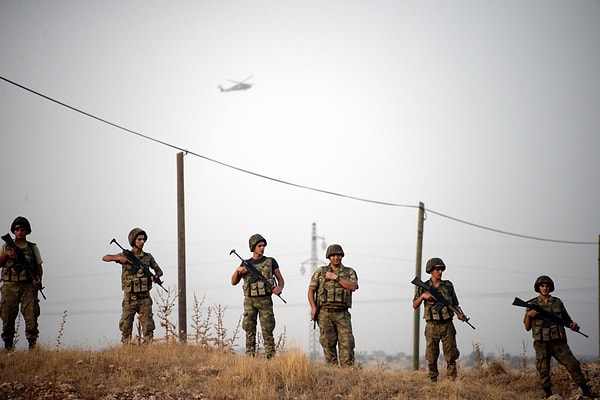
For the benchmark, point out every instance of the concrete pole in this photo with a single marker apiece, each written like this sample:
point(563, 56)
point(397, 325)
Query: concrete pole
point(417, 312)
point(181, 292)
point(313, 261)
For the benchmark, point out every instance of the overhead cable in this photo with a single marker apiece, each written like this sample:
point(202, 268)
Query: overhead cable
point(282, 181)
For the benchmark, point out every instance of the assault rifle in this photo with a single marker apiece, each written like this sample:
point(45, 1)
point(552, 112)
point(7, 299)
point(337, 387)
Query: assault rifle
point(441, 300)
point(136, 265)
point(256, 273)
point(22, 262)
point(520, 303)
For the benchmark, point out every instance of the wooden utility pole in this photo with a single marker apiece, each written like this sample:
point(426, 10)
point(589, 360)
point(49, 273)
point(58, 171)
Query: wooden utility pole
point(181, 292)
point(417, 311)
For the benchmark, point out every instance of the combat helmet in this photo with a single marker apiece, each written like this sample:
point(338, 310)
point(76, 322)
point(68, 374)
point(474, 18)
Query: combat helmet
point(256, 239)
point(135, 232)
point(21, 221)
point(543, 279)
point(433, 263)
point(334, 249)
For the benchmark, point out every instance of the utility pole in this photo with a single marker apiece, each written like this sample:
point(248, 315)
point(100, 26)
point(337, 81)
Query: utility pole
point(417, 311)
point(181, 292)
point(313, 261)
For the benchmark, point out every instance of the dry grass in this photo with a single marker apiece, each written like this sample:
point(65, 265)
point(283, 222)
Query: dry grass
point(207, 368)
point(180, 371)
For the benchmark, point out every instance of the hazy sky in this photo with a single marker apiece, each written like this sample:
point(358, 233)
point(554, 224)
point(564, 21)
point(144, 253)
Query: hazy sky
point(485, 111)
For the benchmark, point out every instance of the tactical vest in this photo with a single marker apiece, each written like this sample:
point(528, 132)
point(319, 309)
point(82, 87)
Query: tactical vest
point(432, 313)
point(254, 286)
point(139, 281)
point(12, 271)
point(330, 293)
point(545, 329)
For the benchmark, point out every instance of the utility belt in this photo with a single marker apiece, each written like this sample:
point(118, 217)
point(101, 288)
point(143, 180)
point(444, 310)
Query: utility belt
point(29, 282)
point(334, 309)
point(137, 296)
point(439, 321)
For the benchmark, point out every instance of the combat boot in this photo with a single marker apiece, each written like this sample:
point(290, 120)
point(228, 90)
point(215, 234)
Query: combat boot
point(452, 371)
point(32, 343)
point(548, 391)
point(587, 391)
point(433, 372)
point(8, 345)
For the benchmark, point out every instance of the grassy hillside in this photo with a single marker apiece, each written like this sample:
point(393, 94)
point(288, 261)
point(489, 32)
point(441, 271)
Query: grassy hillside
point(179, 371)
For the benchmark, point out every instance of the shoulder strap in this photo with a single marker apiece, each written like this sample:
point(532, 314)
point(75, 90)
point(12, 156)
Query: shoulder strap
point(35, 261)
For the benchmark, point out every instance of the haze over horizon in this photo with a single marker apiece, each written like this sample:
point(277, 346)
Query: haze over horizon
point(484, 111)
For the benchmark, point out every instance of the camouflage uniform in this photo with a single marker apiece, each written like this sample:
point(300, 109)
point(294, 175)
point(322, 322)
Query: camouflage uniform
point(258, 303)
point(19, 290)
point(439, 327)
point(136, 299)
point(550, 340)
point(334, 319)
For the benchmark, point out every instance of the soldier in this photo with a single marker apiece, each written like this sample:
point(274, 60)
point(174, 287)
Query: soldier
point(439, 325)
point(21, 285)
point(257, 297)
point(136, 288)
point(550, 338)
point(330, 297)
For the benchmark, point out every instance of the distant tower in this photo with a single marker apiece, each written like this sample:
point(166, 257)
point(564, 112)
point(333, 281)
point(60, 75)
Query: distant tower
point(313, 334)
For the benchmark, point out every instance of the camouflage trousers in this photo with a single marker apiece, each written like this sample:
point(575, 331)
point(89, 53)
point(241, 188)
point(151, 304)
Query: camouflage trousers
point(336, 330)
point(261, 307)
point(444, 331)
point(25, 295)
point(141, 304)
point(559, 349)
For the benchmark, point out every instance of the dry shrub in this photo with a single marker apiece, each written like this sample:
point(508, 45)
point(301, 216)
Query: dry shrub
point(185, 371)
point(209, 369)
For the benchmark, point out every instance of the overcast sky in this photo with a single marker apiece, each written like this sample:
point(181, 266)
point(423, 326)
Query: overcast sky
point(485, 111)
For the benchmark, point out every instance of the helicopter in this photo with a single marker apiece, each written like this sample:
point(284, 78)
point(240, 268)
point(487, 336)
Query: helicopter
point(239, 85)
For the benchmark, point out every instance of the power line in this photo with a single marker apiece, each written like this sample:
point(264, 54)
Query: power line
point(384, 203)
point(505, 232)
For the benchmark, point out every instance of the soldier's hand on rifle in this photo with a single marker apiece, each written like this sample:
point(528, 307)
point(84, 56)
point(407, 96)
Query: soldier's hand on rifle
point(11, 253)
point(462, 317)
point(241, 270)
point(574, 326)
point(277, 290)
point(428, 296)
point(124, 260)
point(313, 312)
point(158, 273)
point(532, 313)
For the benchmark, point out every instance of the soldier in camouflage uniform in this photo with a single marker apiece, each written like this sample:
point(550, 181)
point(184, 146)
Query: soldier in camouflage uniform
point(439, 325)
point(21, 285)
point(136, 288)
point(330, 297)
point(257, 296)
point(550, 338)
